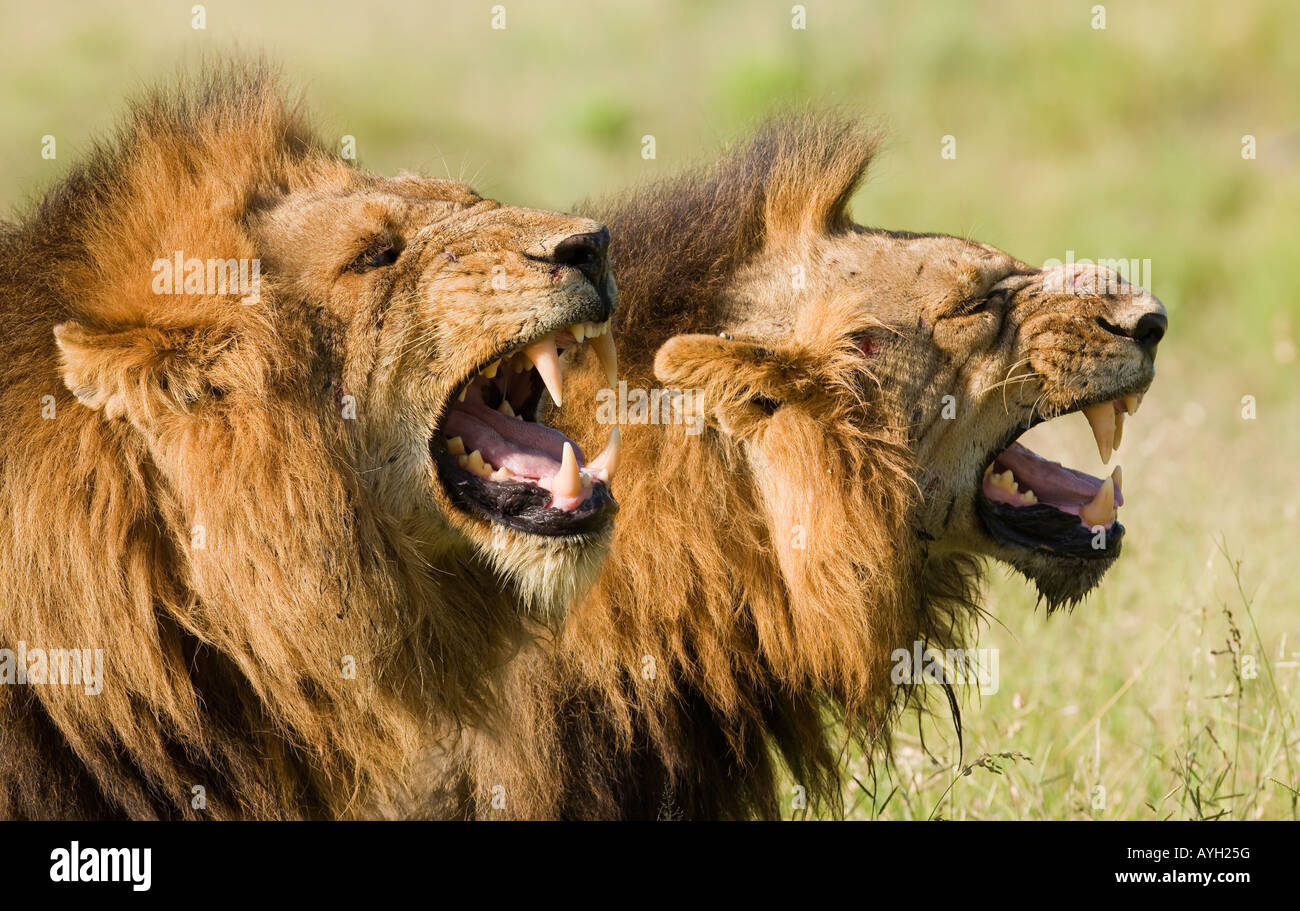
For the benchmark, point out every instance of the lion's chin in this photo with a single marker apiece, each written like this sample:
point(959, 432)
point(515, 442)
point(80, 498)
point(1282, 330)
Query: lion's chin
point(1063, 581)
point(548, 574)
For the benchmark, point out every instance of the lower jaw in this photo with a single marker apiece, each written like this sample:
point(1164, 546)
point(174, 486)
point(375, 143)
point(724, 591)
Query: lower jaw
point(525, 507)
point(1048, 531)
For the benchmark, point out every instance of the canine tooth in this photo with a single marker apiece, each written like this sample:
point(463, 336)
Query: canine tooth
point(502, 474)
point(566, 482)
point(1118, 476)
point(461, 397)
point(1102, 508)
point(1132, 401)
point(1119, 427)
point(547, 361)
point(579, 331)
point(505, 408)
point(603, 345)
point(605, 464)
point(988, 469)
point(1102, 421)
point(490, 371)
point(456, 446)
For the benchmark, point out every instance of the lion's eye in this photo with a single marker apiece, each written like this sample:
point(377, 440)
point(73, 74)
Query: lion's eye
point(376, 257)
point(982, 304)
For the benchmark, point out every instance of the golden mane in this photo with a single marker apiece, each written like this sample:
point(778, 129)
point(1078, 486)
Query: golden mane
point(230, 607)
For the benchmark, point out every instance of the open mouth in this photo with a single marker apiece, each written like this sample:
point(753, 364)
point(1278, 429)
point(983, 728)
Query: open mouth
point(1029, 501)
point(495, 458)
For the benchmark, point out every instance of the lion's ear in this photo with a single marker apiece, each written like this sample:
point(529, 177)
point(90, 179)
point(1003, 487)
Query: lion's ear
point(818, 162)
point(741, 383)
point(135, 373)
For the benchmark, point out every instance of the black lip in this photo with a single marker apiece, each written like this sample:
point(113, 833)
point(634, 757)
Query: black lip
point(523, 506)
point(1045, 528)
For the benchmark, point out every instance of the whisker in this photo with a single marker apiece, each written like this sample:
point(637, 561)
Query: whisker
point(1008, 379)
point(1003, 382)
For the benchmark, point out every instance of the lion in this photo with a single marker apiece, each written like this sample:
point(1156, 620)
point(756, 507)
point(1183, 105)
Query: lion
point(843, 461)
point(275, 498)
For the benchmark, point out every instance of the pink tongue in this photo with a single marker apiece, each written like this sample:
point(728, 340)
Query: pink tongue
point(1051, 482)
point(497, 450)
point(531, 451)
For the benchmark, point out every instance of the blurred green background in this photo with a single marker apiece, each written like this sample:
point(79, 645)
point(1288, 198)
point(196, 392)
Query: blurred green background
point(1123, 142)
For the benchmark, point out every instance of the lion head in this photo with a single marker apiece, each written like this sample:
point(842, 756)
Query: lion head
point(448, 313)
point(965, 348)
point(424, 319)
point(838, 410)
point(978, 348)
point(301, 464)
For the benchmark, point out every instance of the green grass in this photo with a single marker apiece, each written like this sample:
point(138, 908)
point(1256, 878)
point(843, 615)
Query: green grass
point(1119, 143)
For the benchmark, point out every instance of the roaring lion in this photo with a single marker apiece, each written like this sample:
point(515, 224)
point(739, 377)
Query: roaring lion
point(274, 501)
point(833, 452)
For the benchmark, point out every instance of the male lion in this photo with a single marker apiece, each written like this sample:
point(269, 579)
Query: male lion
point(263, 470)
point(863, 391)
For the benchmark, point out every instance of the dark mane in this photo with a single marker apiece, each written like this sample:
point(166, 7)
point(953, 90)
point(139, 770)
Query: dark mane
point(678, 242)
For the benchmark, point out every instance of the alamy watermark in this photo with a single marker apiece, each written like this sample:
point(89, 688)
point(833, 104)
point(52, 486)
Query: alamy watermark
point(651, 406)
point(179, 275)
point(75, 864)
point(23, 666)
point(923, 665)
point(1105, 276)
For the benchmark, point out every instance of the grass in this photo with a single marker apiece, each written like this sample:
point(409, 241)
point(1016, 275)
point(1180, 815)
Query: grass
point(1174, 686)
point(1201, 726)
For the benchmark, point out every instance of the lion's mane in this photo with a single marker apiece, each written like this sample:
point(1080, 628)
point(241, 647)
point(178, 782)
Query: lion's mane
point(271, 646)
point(717, 659)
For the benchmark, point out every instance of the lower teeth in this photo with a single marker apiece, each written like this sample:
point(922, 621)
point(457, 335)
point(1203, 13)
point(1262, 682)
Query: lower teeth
point(1101, 510)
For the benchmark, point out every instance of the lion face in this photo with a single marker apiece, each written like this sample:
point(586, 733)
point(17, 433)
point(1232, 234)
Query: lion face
point(958, 350)
point(972, 348)
point(432, 320)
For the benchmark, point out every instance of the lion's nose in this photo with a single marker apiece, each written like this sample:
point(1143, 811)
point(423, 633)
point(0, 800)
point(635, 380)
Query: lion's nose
point(1145, 324)
point(588, 253)
point(1150, 330)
